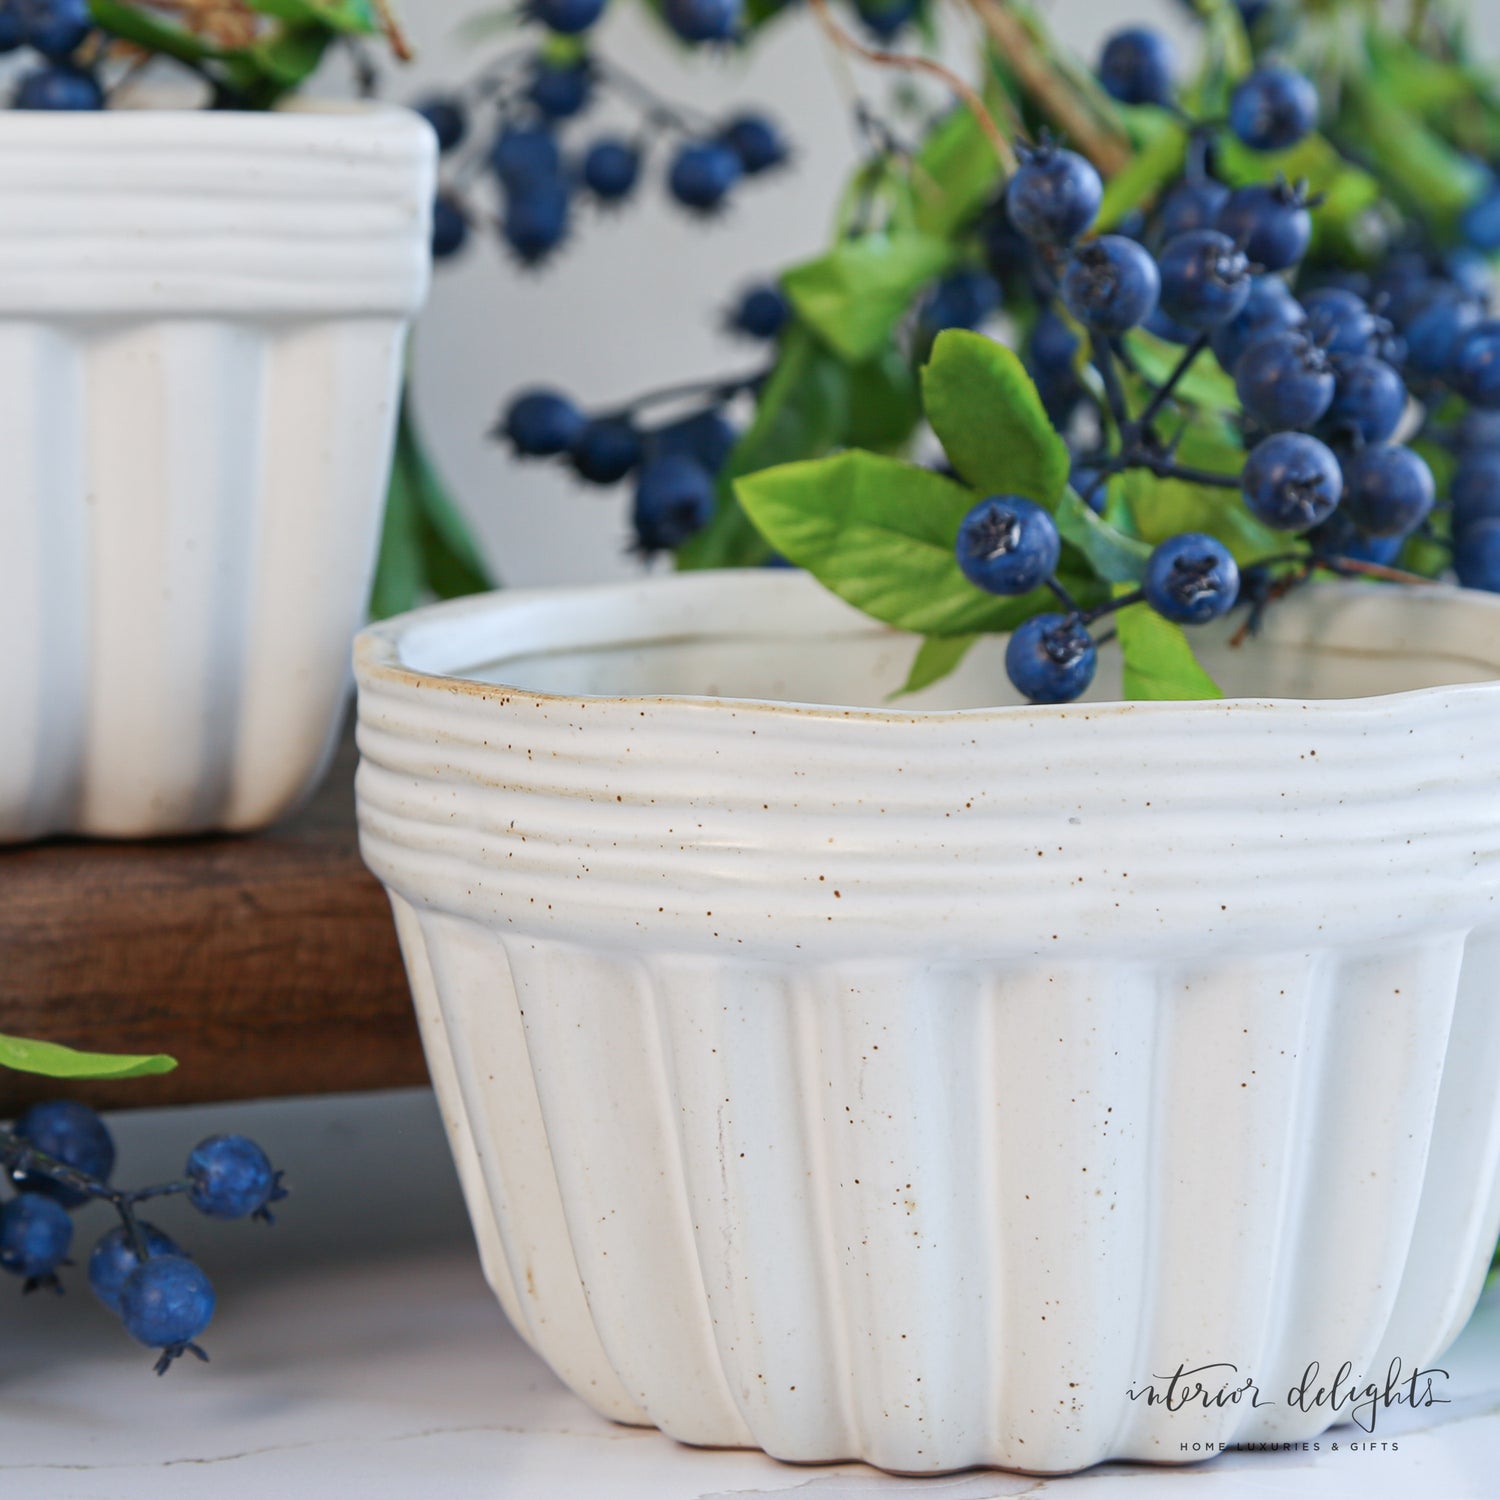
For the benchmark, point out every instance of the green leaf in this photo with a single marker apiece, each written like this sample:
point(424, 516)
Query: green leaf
point(884, 403)
point(854, 296)
point(52, 1060)
point(1159, 661)
point(149, 31)
point(1143, 177)
point(1115, 557)
point(398, 572)
point(879, 533)
point(802, 412)
point(954, 174)
point(936, 657)
point(356, 16)
point(1163, 508)
point(989, 419)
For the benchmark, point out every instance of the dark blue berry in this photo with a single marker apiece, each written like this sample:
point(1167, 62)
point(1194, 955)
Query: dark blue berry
point(114, 1258)
point(1191, 579)
point(761, 313)
point(561, 90)
point(1088, 482)
point(1194, 203)
point(1205, 279)
point(522, 155)
point(448, 118)
point(1270, 308)
point(1474, 370)
point(1270, 221)
point(1476, 558)
point(756, 141)
point(1339, 537)
point(1054, 195)
point(231, 1177)
point(702, 174)
point(1007, 545)
point(1475, 488)
point(540, 423)
point(1137, 67)
point(1291, 481)
point(1051, 658)
point(1340, 320)
point(35, 1234)
point(1369, 398)
point(885, 19)
point(535, 220)
point(611, 167)
point(1164, 326)
point(10, 27)
point(166, 1302)
point(55, 28)
point(606, 450)
point(568, 17)
point(962, 299)
point(450, 228)
point(59, 86)
point(1470, 273)
point(674, 498)
point(1480, 225)
point(1052, 347)
point(1388, 490)
point(1007, 252)
point(1273, 109)
point(1477, 431)
point(1284, 380)
point(704, 20)
point(1110, 283)
point(706, 437)
point(73, 1134)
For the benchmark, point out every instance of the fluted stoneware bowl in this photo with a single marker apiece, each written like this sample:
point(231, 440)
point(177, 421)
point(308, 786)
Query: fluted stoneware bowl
point(911, 1081)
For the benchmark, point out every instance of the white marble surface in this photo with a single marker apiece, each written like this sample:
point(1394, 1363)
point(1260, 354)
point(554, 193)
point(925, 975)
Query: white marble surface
point(358, 1353)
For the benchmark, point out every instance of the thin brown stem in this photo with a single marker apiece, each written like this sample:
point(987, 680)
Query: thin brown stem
point(400, 45)
point(961, 88)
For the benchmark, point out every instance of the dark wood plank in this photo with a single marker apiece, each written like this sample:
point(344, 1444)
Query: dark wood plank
point(267, 965)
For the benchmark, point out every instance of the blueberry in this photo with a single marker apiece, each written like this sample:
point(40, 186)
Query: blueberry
point(1270, 221)
point(606, 450)
point(1474, 370)
point(1340, 320)
point(1476, 558)
point(10, 27)
point(962, 299)
point(1054, 195)
point(1369, 398)
point(1475, 488)
point(1273, 109)
point(1387, 490)
point(885, 19)
point(701, 175)
point(706, 437)
point(674, 498)
point(1007, 545)
point(535, 220)
point(540, 423)
point(55, 28)
point(704, 20)
point(448, 117)
point(35, 1234)
point(560, 90)
point(1270, 308)
point(1205, 279)
point(72, 1133)
point(1339, 537)
point(166, 1302)
point(1053, 346)
point(231, 1177)
point(611, 167)
point(1291, 481)
point(1191, 579)
point(1164, 326)
point(1088, 482)
point(568, 17)
point(1110, 284)
point(1284, 380)
point(521, 156)
point(1477, 431)
point(757, 142)
point(761, 313)
point(1137, 66)
point(114, 1258)
point(1051, 658)
point(1480, 225)
point(1470, 273)
point(450, 228)
point(59, 86)
point(1193, 203)
point(1007, 252)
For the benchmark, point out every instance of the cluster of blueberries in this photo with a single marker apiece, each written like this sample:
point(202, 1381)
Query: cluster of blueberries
point(59, 1156)
point(535, 92)
point(56, 30)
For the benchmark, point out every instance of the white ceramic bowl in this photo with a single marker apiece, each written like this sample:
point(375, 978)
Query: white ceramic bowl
point(202, 317)
point(906, 1082)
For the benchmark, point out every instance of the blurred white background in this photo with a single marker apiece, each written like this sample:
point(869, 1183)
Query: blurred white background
point(635, 300)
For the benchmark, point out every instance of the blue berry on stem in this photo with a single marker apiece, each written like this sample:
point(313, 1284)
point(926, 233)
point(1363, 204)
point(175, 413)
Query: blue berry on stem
point(1388, 490)
point(72, 1133)
point(761, 313)
point(522, 155)
point(1341, 321)
point(704, 20)
point(706, 437)
point(1476, 557)
point(165, 1303)
point(885, 19)
point(1137, 67)
point(702, 174)
point(1475, 488)
point(1205, 279)
point(1339, 537)
point(114, 1258)
point(1434, 329)
point(1054, 195)
point(1270, 308)
point(55, 28)
point(606, 450)
point(1369, 398)
point(448, 117)
point(35, 1234)
point(10, 28)
point(1110, 284)
point(757, 142)
point(1474, 370)
point(611, 168)
point(1007, 545)
point(1480, 224)
point(674, 498)
point(1191, 579)
point(59, 86)
point(540, 423)
point(1194, 203)
point(450, 228)
point(231, 1177)
point(1291, 481)
point(1284, 380)
point(535, 220)
point(1051, 658)
point(567, 17)
point(962, 299)
point(1270, 221)
point(1273, 109)
point(561, 90)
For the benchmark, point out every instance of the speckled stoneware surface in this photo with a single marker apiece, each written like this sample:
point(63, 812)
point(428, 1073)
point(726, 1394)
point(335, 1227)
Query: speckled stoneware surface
point(910, 1082)
point(201, 323)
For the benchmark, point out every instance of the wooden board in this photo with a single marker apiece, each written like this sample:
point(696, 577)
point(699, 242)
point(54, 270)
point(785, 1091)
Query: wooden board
point(265, 964)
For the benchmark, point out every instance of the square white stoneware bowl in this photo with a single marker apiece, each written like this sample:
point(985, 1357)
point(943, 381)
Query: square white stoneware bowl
point(907, 1082)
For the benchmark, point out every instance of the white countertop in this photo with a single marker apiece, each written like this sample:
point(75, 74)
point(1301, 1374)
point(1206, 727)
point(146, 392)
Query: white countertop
point(357, 1352)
